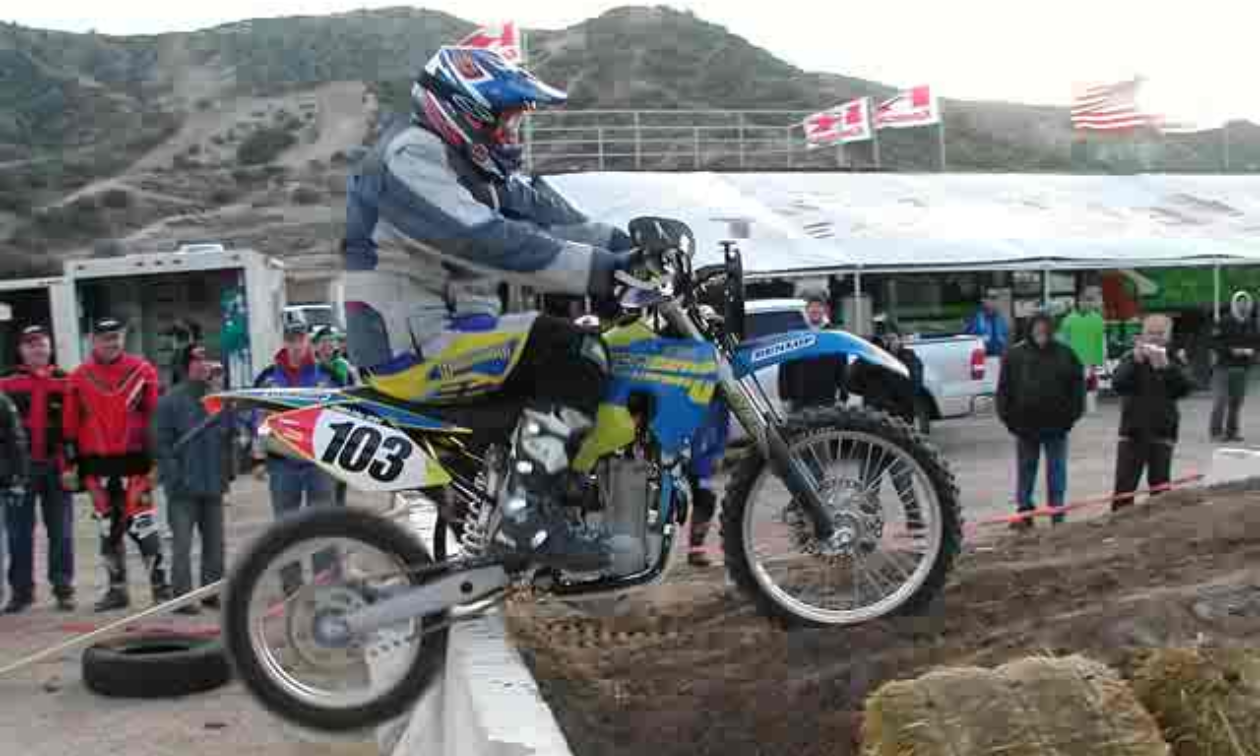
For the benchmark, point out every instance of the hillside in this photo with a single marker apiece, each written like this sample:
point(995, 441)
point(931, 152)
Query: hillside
point(130, 137)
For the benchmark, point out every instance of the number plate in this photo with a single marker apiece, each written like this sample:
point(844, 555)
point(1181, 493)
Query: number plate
point(362, 452)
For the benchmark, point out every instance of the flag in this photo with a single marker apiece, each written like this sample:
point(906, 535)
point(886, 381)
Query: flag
point(912, 107)
point(822, 129)
point(855, 118)
point(1109, 107)
point(503, 39)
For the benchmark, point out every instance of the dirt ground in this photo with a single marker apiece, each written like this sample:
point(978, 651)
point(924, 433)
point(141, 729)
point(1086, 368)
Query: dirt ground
point(700, 674)
point(45, 710)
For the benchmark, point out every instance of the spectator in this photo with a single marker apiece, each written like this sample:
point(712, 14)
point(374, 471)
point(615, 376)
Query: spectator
point(1149, 382)
point(327, 342)
point(989, 324)
point(813, 381)
point(1040, 396)
point(109, 406)
point(294, 483)
point(38, 388)
point(888, 392)
point(194, 476)
point(1234, 345)
point(707, 449)
point(14, 466)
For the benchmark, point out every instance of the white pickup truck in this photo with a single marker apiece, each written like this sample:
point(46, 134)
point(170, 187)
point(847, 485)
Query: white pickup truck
point(956, 380)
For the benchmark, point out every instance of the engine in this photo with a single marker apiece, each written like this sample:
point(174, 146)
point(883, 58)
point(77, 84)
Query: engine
point(627, 487)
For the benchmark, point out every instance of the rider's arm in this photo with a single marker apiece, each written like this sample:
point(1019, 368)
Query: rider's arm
point(423, 199)
point(538, 202)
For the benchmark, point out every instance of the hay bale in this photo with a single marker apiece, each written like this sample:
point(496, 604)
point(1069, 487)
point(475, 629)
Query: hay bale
point(1207, 701)
point(1032, 707)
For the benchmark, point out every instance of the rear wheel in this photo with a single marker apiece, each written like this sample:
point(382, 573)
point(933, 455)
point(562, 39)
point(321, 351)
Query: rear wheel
point(300, 575)
point(894, 504)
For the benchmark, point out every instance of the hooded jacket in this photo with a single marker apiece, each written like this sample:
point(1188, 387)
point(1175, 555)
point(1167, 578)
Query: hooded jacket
point(1041, 389)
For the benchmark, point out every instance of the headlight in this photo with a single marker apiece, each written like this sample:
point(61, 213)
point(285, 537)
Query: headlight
point(547, 451)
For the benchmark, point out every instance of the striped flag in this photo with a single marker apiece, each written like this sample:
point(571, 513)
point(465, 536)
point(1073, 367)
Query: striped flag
point(1109, 107)
point(503, 38)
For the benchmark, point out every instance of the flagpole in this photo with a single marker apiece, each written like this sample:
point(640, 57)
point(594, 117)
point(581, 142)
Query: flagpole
point(941, 135)
point(529, 122)
point(1225, 143)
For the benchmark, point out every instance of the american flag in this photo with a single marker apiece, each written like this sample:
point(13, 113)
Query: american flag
point(1109, 107)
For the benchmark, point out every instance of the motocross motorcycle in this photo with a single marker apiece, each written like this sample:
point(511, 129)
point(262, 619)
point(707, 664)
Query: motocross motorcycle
point(336, 619)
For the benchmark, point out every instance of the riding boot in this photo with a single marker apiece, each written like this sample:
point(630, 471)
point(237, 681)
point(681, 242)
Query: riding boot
point(151, 551)
point(697, 554)
point(115, 560)
point(534, 525)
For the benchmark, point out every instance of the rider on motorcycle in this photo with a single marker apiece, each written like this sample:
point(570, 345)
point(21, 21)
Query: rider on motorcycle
point(438, 214)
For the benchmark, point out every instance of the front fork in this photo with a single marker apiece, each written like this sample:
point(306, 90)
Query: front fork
point(764, 425)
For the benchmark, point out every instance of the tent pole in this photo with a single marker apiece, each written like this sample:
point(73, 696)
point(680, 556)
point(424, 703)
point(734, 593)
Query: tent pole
point(1216, 293)
point(857, 302)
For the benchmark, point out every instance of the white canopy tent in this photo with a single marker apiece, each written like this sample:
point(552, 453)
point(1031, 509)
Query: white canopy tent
point(812, 223)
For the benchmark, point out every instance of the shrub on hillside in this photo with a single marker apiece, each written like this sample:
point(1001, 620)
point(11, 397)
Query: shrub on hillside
point(264, 145)
point(115, 199)
point(305, 195)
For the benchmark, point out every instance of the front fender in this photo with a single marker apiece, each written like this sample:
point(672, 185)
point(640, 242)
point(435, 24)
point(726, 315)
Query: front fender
point(758, 354)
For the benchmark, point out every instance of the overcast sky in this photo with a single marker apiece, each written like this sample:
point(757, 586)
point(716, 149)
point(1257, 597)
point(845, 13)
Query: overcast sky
point(1199, 56)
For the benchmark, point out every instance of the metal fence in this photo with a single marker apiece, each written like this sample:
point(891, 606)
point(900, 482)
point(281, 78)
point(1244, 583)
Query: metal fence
point(640, 140)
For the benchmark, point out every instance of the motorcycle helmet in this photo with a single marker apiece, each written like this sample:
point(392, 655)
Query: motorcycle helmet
point(476, 101)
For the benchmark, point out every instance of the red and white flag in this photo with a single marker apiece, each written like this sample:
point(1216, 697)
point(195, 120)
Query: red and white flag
point(912, 107)
point(822, 129)
point(856, 123)
point(503, 39)
point(1109, 107)
point(850, 122)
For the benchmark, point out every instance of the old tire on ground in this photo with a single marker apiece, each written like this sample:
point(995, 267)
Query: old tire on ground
point(857, 420)
point(155, 666)
point(326, 523)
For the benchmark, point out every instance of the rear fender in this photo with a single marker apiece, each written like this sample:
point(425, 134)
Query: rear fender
point(356, 447)
point(765, 352)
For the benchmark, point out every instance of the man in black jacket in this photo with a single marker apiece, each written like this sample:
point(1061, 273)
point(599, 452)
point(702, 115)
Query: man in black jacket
point(1234, 344)
point(1040, 396)
point(1149, 381)
point(14, 467)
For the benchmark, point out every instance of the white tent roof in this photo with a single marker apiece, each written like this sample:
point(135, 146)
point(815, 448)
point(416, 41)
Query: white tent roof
point(840, 221)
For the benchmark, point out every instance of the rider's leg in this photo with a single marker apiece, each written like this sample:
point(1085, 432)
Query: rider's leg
point(703, 508)
point(142, 527)
point(562, 374)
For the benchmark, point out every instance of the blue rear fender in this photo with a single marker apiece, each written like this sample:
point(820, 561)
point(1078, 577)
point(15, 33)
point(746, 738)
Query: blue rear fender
point(764, 352)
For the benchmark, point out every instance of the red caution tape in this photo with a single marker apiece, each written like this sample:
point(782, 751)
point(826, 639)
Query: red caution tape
point(1097, 501)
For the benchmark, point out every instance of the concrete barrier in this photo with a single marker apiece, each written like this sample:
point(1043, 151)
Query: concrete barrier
point(485, 701)
point(1233, 464)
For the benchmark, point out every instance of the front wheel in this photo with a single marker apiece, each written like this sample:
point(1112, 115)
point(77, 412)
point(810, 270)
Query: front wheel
point(297, 577)
point(894, 505)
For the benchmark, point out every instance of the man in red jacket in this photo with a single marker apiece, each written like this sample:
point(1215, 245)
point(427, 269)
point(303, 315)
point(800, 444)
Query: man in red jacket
point(38, 388)
point(108, 408)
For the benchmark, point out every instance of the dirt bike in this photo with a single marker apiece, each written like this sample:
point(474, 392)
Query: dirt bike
point(806, 533)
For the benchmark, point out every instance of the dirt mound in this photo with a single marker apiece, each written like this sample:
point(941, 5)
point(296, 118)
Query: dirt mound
point(1070, 706)
point(701, 674)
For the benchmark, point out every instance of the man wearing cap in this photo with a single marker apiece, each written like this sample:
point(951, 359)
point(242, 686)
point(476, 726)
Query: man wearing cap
point(38, 389)
point(195, 475)
point(109, 407)
point(294, 483)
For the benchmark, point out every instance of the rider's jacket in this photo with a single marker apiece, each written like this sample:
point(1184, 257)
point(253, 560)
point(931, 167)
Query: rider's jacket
point(108, 409)
point(419, 207)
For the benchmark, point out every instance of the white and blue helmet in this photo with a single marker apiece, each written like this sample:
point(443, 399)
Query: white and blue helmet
point(476, 100)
